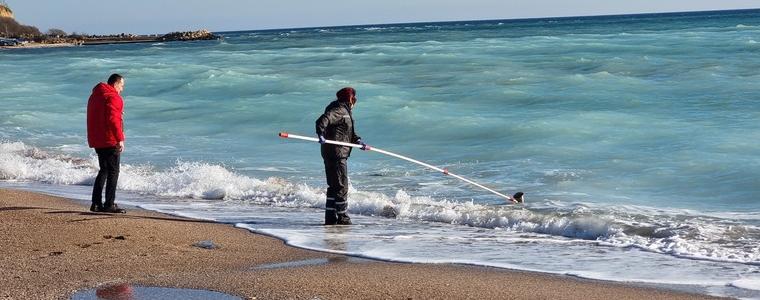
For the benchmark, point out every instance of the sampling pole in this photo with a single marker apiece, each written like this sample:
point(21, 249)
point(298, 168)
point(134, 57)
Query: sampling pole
point(517, 198)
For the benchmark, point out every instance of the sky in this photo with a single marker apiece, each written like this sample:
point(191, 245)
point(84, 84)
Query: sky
point(162, 16)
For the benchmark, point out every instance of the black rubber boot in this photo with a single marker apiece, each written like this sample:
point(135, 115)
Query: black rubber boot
point(96, 207)
point(330, 217)
point(343, 219)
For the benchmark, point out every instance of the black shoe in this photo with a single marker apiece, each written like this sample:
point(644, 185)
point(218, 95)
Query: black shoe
point(96, 207)
point(330, 217)
point(343, 219)
point(113, 209)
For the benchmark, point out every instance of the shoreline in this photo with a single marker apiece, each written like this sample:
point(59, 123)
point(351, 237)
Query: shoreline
point(55, 247)
point(70, 41)
point(39, 46)
point(87, 43)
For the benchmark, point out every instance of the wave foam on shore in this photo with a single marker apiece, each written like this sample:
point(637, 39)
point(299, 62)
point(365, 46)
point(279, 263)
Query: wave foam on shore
point(674, 232)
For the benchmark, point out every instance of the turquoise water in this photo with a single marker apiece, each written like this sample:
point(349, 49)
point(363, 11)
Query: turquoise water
point(634, 138)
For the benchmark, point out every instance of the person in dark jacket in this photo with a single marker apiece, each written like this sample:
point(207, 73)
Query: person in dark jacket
point(105, 133)
point(337, 123)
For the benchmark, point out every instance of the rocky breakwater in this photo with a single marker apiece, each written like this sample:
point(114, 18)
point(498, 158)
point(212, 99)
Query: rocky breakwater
point(190, 36)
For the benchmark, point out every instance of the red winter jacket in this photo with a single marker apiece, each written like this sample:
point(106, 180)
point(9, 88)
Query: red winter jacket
point(104, 117)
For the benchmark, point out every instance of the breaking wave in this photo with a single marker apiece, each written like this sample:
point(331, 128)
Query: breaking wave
point(678, 233)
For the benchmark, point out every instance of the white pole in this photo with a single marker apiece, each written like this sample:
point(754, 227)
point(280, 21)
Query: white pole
point(444, 171)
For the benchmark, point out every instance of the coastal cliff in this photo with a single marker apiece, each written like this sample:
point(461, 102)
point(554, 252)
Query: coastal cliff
point(9, 27)
point(5, 11)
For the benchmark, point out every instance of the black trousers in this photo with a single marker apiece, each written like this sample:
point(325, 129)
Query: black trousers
point(336, 171)
point(108, 159)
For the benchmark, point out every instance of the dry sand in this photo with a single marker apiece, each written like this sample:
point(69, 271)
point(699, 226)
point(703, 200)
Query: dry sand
point(51, 247)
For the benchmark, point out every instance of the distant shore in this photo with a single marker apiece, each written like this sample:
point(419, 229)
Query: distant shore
point(39, 45)
point(53, 247)
point(72, 41)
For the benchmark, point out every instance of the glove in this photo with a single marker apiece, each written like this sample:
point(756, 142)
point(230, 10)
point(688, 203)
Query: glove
point(364, 146)
point(321, 139)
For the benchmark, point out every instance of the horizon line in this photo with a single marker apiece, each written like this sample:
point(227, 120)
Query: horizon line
point(493, 20)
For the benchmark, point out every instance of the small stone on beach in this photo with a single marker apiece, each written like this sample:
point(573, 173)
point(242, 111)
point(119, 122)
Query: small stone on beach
point(208, 244)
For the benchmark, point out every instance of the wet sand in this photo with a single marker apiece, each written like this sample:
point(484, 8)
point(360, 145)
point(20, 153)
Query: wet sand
point(51, 247)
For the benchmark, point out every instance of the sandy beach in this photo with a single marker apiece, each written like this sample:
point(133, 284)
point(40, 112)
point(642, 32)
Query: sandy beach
point(53, 247)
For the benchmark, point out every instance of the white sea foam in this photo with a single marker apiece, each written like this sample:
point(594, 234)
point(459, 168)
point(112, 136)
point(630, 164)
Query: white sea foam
point(603, 276)
point(747, 283)
point(21, 162)
point(677, 233)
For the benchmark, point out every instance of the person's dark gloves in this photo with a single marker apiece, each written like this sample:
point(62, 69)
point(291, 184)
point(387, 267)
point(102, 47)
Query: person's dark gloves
point(364, 147)
point(321, 139)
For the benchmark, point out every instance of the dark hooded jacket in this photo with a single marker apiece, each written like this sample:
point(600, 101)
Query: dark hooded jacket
point(337, 123)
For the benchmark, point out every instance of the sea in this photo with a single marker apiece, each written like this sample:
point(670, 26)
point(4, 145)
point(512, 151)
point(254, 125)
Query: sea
point(635, 138)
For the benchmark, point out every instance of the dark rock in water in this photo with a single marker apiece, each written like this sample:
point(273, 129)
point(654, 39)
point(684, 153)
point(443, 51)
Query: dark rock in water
point(206, 245)
point(389, 212)
point(202, 34)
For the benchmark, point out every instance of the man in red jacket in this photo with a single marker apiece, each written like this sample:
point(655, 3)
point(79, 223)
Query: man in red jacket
point(105, 133)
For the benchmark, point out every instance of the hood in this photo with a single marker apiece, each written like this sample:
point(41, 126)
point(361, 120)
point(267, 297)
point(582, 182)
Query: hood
point(104, 89)
point(337, 103)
